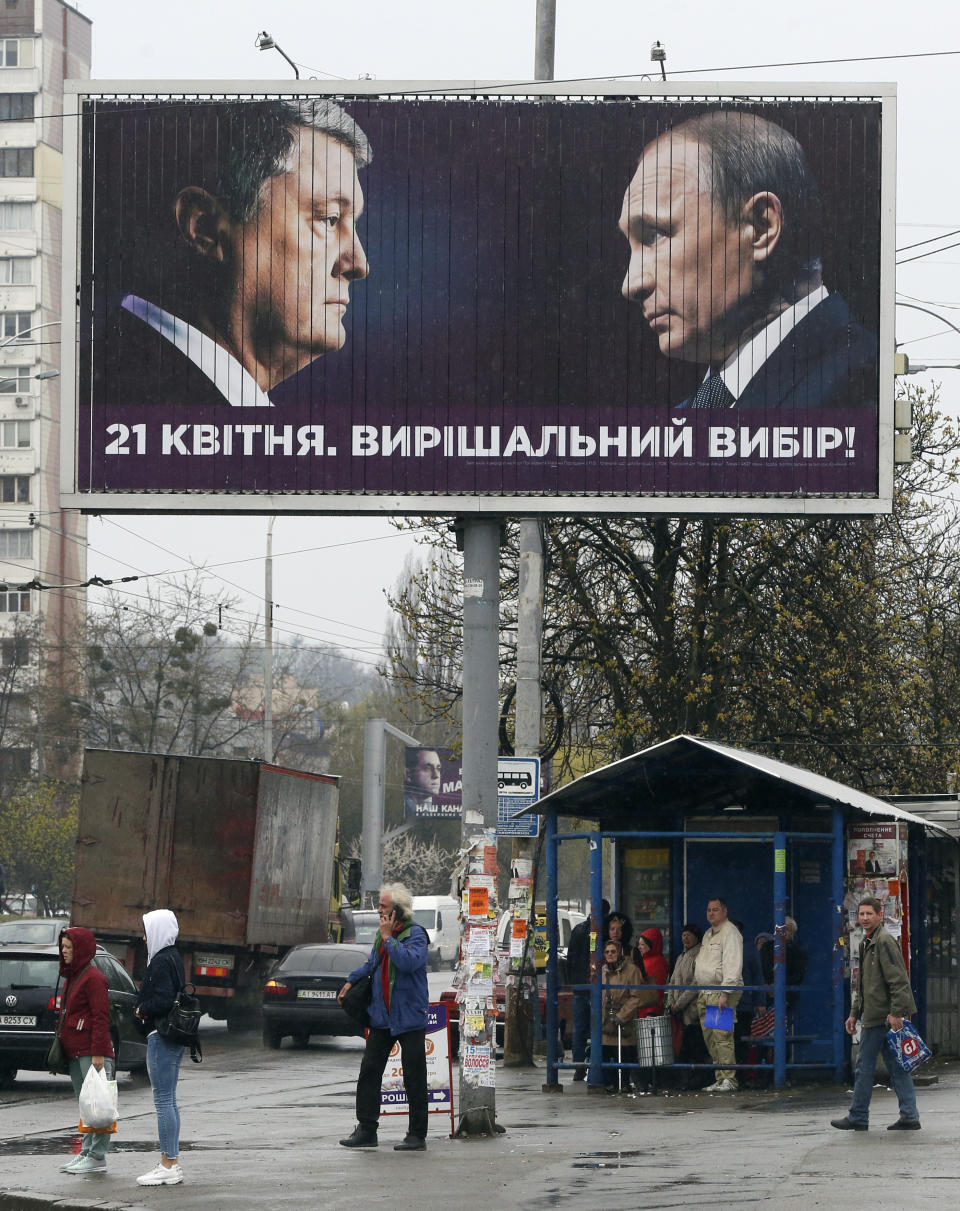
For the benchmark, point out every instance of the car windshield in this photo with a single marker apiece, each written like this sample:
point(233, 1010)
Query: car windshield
point(20, 972)
point(366, 933)
point(28, 933)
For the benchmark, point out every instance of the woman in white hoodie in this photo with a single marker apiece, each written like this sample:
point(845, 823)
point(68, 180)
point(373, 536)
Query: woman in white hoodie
point(161, 984)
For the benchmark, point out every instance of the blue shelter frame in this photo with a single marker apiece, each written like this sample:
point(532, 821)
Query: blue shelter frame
point(682, 778)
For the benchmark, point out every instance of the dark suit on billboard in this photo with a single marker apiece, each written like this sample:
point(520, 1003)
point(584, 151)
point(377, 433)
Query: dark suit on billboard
point(132, 363)
point(827, 360)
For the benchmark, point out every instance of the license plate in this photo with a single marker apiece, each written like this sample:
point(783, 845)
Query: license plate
point(316, 994)
point(16, 1019)
point(213, 960)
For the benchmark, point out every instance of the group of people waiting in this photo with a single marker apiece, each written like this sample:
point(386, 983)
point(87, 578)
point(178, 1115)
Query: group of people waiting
point(637, 983)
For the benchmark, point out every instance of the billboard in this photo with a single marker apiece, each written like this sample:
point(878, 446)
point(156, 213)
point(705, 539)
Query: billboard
point(432, 783)
point(400, 299)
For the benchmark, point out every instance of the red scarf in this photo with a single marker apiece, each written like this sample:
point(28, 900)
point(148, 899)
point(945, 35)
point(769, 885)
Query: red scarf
point(385, 976)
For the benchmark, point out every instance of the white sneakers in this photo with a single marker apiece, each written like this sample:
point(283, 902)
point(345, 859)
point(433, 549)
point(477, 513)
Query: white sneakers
point(724, 1086)
point(162, 1176)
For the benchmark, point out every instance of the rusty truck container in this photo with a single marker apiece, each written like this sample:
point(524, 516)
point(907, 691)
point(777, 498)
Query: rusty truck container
point(243, 852)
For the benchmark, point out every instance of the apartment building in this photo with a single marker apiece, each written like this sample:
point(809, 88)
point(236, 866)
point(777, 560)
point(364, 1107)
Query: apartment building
point(42, 43)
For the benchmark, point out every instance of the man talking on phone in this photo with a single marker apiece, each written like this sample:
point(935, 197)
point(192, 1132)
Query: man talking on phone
point(398, 1013)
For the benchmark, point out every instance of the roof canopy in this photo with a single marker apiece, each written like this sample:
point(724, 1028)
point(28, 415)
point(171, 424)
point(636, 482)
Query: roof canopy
point(687, 775)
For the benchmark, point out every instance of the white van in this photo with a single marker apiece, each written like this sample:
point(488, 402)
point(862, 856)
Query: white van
point(440, 917)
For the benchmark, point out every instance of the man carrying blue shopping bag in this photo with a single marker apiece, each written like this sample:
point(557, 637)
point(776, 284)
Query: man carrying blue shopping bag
point(883, 1000)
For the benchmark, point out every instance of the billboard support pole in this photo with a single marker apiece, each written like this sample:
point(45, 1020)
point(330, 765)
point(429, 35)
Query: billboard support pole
point(522, 995)
point(481, 666)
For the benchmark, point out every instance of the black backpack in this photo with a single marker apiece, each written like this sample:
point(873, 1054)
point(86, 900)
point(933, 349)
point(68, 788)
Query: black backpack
point(181, 1024)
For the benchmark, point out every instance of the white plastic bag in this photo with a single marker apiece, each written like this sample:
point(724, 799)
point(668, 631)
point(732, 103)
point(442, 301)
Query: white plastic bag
point(98, 1101)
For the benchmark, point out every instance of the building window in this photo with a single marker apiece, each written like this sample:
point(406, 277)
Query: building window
point(16, 271)
point(10, 52)
point(16, 379)
point(16, 544)
point(15, 489)
point(16, 216)
point(15, 107)
point(15, 323)
point(14, 602)
point(16, 161)
point(14, 435)
point(14, 652)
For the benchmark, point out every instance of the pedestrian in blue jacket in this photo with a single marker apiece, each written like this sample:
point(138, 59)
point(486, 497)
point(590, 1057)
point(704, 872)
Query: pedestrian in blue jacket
point(398, 1012)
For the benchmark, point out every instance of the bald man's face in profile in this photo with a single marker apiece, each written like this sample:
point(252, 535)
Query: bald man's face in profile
point(691, 269)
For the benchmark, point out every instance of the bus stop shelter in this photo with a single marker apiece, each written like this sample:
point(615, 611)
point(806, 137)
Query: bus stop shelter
point(710, 819)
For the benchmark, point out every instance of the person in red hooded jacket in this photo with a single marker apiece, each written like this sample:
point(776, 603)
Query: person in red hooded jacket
point(85, 1033)
point(650, 946)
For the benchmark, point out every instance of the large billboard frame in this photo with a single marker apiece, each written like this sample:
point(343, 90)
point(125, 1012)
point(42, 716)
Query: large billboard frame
point(466, 504)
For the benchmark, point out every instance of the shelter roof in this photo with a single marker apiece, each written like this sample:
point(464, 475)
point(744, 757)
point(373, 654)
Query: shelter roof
point(689, 775)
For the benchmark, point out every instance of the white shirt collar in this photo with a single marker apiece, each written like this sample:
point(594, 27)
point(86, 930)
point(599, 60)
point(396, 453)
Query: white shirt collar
point(236, 384)
point(745, 362)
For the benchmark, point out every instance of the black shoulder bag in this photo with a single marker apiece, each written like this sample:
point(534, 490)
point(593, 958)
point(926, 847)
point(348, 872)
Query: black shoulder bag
point(181, 1023)
point(355, 1002)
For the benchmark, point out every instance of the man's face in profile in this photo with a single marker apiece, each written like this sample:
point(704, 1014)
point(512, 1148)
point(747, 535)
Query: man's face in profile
point(690, 268)
point(425, 775)
point(295, 259)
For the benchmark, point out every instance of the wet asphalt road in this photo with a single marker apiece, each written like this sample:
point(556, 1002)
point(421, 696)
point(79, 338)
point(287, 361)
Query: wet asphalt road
point(260, 1129)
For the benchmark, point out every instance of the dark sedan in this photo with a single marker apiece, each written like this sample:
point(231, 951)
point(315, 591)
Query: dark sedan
point(30, 990)
point(300, 997)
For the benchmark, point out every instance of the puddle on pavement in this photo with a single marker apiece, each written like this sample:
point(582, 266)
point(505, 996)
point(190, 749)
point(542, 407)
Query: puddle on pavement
point(608, 1160)
point(55, 1145)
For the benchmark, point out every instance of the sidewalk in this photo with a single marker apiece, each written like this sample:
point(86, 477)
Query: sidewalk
point(257, 1145)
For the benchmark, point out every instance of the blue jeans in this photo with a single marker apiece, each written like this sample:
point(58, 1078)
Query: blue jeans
point(95, 1143)
point(163, 1064)
point(581, 1026)
point(873, 1039)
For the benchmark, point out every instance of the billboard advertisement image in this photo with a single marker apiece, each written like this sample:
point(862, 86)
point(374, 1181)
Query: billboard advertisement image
point(449, 302)
point(432, 783)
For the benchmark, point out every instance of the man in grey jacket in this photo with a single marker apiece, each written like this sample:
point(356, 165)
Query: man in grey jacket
point(883, 1000)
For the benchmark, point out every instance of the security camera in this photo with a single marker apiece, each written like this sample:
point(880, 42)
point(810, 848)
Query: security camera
point(658, 52)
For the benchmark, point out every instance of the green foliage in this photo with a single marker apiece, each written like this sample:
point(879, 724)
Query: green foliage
point(829, 643)
point(38, 834)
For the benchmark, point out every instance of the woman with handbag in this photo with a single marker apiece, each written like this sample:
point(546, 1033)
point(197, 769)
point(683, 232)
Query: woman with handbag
point(84, 1034)
point(161, 984)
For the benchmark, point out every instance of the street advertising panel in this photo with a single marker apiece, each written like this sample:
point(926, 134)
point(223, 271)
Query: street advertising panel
point(432, 783)
point(393, 1095)
point(427, 298)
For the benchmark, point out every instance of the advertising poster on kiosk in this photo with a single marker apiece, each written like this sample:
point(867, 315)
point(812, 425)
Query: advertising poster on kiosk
point(398, 300)
point(877, 866)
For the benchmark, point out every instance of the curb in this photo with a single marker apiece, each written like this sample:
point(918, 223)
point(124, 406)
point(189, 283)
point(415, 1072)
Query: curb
point(23, 1200)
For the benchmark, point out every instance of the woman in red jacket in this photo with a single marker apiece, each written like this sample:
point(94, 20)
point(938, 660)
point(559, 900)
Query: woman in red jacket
point(650, 945)
point(85, 1033)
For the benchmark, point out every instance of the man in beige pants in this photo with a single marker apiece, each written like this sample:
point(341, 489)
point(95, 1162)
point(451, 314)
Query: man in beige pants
point(720, 961)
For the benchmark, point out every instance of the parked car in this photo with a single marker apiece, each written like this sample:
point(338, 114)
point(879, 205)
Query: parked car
point(22, 903)
point(566, 920)
point(30, 989)
point(32, 931)
point(300, 997)
point(564, 1011)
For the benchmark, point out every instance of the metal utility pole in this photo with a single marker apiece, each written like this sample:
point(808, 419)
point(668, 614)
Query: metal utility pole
point(522, 993)
point(546, 39)
point(268, 645)
point(481, 643)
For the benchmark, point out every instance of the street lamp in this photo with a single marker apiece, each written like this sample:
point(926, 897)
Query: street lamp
point(265, 42)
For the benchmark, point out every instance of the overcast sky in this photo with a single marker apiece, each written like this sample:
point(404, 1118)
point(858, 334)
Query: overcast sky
point(334, 590)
